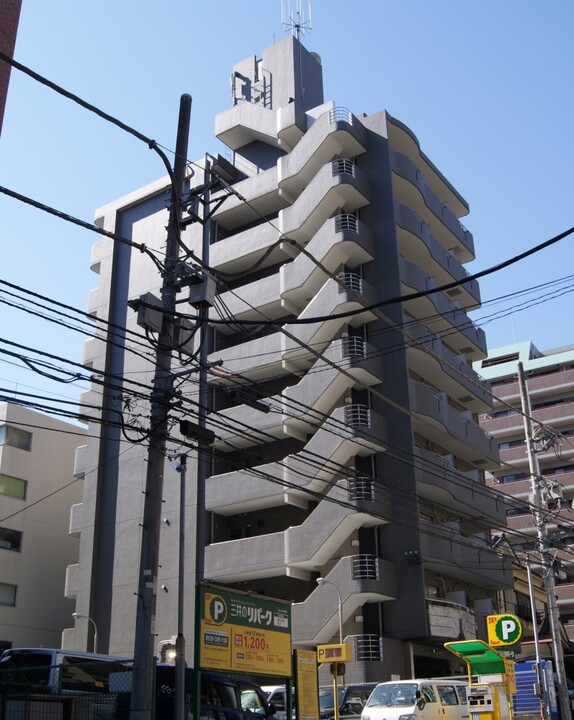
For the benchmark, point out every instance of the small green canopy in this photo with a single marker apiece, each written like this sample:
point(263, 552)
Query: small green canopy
point(480, 657)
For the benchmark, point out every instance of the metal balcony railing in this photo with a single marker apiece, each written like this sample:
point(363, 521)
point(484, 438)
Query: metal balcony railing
point(350, 280)
point(343, 166)
point(365, 567)
point(340, 113)
point(358, 416)
point(354, 347)
point(361, 489)
point(367, 647)
point(346, 221)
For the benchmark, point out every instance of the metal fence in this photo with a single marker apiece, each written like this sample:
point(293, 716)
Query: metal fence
point(72, 691)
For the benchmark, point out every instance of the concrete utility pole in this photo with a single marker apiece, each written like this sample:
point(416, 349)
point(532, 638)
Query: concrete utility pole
point(144, 644)
point(539, 507)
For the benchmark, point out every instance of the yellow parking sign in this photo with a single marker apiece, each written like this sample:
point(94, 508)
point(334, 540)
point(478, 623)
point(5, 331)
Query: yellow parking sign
point(503, 630)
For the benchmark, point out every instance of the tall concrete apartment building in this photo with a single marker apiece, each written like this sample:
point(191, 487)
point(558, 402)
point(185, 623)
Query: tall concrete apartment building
point(37, 490)
point(549, 377)
point(368, 469)
point(9, 20)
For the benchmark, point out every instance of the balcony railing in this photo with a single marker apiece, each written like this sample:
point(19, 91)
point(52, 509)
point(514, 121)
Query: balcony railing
point(357, 416)
point(367, 647)
point(354, 347)
point(361, 489)
point(343, 166)
point(346, 221)
point(338, 114)
point(365, 567)
point(351, 281)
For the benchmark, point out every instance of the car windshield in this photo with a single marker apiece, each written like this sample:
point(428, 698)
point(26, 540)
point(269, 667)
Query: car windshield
point(393, 695)
point(326, 697)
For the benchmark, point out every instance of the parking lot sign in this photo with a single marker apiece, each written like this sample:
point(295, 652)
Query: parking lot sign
point(503, 630)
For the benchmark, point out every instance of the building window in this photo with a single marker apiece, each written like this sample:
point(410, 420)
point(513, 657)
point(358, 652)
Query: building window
point(7, 594)
point(10, 539)
point(12, 487)
point(15, 437)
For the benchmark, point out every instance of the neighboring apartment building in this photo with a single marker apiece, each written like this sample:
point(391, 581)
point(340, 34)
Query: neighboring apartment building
point(37, 491)
point(550, 386)
point(368, 471)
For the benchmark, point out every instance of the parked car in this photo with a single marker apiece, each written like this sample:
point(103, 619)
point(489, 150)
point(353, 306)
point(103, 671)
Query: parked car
point(351, 699)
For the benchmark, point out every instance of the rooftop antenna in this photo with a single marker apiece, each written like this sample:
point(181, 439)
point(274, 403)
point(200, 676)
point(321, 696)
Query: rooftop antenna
point(294, 20)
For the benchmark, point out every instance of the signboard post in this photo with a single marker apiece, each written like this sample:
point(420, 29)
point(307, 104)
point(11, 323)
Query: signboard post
point(244, 632)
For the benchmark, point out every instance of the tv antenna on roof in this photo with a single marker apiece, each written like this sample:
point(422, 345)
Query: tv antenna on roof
point(295, 20)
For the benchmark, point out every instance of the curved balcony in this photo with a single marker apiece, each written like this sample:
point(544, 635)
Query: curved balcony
point(440, 314)
point(411, 190)
point(467, 558)
point(403, 140)
point(417, 243)
point(342, 240)
point(336, 133)
point(338, 186)
point(436, 420)
point(430, 358)
point(440, 482)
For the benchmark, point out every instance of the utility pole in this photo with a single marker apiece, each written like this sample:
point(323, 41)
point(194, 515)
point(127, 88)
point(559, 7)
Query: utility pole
point(144, 643)
point(538, 506)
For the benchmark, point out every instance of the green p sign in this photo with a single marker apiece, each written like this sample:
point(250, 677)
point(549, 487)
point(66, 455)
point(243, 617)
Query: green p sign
point(503, 630)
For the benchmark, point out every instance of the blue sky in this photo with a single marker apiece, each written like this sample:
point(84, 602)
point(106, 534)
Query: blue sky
point(484, 85)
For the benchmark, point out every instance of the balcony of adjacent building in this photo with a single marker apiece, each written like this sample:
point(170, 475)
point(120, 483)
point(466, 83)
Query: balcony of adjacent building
point(469, 558)
point(440, 314)
point(435, 419)
point(439, 482)
point(339, 186)
point(342, 241)
point(358, 579)
point(559, 381)
point(513, 453)
point(558, 412)
point(519, 485)
point(410, 189)
point(335, 133)
point(565, 602)
point(430, 358)
point(417, 243)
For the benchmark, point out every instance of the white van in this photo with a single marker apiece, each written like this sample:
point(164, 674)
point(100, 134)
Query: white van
point(418, 700)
